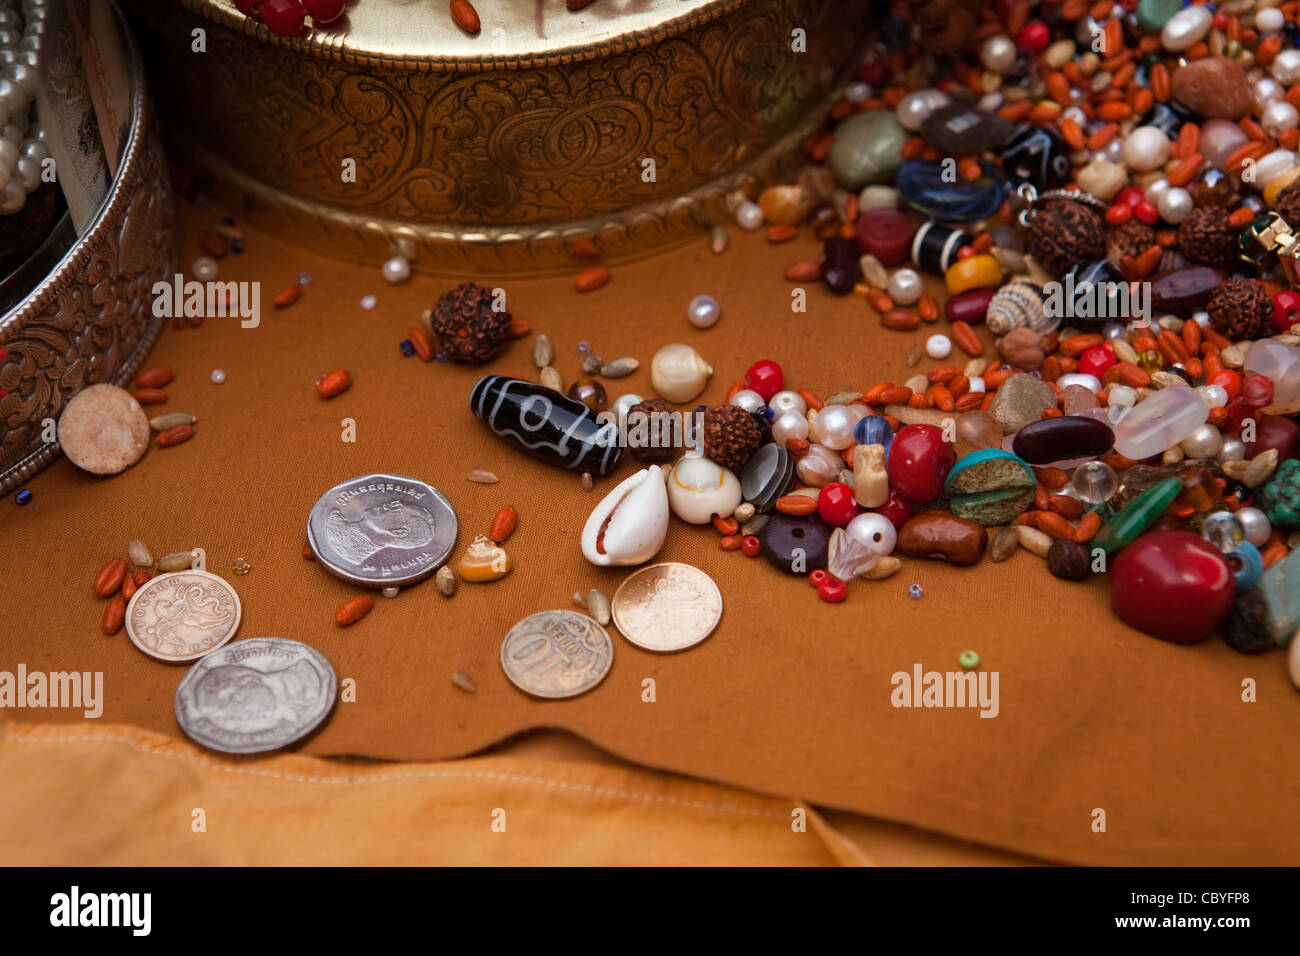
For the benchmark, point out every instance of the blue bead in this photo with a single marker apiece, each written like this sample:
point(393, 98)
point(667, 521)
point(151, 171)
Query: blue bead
point(24, 497)
point(236, 247)
point(407, 348)
point(925, 189)
point(1252, 565)
point(873, 430)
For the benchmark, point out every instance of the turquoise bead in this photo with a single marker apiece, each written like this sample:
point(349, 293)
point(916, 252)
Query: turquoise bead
point(1152, 15)
point(1252, 565)
point(1136, 516)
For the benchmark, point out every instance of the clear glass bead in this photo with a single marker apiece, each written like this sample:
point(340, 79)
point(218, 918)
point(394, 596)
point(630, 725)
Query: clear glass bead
point(1094, 482)
point(1224, 530)
point(915, 591)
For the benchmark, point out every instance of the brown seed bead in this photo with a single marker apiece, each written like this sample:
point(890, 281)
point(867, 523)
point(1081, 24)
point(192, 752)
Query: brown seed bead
point(504, 524)
point(1067, 559)
point(589, 280)
point(466, 17)
point(354, 610)
point(730, 435)
point(109, 578)
point(467, 325)
point(1063, 233)
point(174, 435)
point(420, 342)
point(590, 392)
point(155, 377)
point(149, 396)
point(287, 297)
point(114, 615)
point(652, 427)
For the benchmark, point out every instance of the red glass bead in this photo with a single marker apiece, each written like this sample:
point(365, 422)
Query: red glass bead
point(765, 377)
point(965, 252)
point(1119, 214)
point(886, 234)
point(750, 546)
point(1286, 310)
point(817, 577)
point(283, 17)
point(248, 7)
point(1172, 585)
point(832, 590)
point(1096, 360)
point(1274, 431)
point(323, 11)
point(1130, 196)
point(1257, 391)
point(896, 508)
point(919, 462)
point(835, 504)
point(1034, 37)
point(1228, 380)
point(1146, 212)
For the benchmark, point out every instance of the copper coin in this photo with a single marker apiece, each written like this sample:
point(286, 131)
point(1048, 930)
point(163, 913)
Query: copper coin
point(182, 616)
point(667, 607)
point(556, 654)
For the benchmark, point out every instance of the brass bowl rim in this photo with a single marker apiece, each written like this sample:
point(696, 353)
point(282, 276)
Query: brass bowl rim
point(334, 47)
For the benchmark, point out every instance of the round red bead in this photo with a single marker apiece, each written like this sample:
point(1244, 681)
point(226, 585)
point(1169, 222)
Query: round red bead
point(1130, 196)
point(832, 590)
point(919, 462)
point(750, 546)
point(1173, 585)
point(1146, 212)
point(283, 17)
point(1096, 360)
point(817, 577)
point(1119, 214)
point(896, 508)
point(1034, 37)
point(1286, 310)
point(835, 504)
point(765, 377)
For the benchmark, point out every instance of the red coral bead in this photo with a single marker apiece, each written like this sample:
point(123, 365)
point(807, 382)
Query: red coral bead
point(896, 508)
point(750, 546)
point(1034, 37)
point(1096, 360)
point(832, 590)
point(835, 504)
point(283, 17)
point(817, 577)
point(1147, 212)
point(765, 377)
point(1286, 310)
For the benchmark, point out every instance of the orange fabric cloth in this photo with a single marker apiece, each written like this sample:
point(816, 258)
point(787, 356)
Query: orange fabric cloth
point(790, 695)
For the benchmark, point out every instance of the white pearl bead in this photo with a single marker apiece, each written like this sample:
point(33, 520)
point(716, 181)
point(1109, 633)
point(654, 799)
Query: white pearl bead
point(218, 376)
point(1269, 20)
point(1216, 396)
point(1090, 382)
point(819, 467)
point(749, 216)
point(396, 270)
point(1257, 525)
point(1147, 147)
point(1156, 190)
point(204, 268)
point(1185, 28)
point(998, 54)
point(915, 108)
point(368, 302)
point(904, 287)
point(1278, 117)
point(788, 401)
point(789, 425)
point(857, 92)
point(1273, 164)
point(12, 197)
point(874, 532)
point(1231, 450)
point(748, 399)
point(1175, 204)
point(1205, 442)
point(938, 346)
point(834, 427)
point(1286, 67)
point(29, 173)
point(1266, 90)
point(703, 311)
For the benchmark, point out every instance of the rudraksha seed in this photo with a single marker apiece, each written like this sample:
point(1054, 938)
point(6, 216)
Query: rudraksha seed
point(1064, 233)
point(730, 435)
point(1246, 627)
point(466, 326)
point(1206, 239)
point(1287, 205)
point(650, 431)
point(1131, 238)
point(1240, 308)
point(947, 26)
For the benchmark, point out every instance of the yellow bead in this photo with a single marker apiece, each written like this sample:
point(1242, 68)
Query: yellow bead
point(484, 561)
point(973, 272)
point(1279, 183)
point(1150, 361)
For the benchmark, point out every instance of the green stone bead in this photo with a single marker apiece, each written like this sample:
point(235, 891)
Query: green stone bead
point(1280, 497)
point(1136, 516)
point(1280, 586)
point(1152, 15)
point(868, 149)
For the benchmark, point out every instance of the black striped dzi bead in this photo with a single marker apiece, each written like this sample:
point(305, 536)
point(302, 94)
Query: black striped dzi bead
point(546, 424)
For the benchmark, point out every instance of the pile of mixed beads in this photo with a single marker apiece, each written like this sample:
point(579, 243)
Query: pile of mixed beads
point(1113, 190)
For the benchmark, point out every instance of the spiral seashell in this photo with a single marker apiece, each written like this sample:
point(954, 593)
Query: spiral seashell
point(678, 373)
point(1019, 305)
point(630, 523)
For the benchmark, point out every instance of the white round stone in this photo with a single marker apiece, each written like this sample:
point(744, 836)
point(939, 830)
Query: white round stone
point(938, 346)
point(1147, 147)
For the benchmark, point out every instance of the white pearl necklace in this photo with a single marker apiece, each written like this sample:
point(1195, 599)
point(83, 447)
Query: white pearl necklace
point(22, 146)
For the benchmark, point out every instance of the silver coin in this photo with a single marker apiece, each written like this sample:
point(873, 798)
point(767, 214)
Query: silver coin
point(382, 530)
point(255, 695)
point(183, 615)
point(556, 654)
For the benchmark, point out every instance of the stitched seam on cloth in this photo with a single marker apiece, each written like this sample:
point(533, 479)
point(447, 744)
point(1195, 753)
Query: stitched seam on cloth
point(590, 789)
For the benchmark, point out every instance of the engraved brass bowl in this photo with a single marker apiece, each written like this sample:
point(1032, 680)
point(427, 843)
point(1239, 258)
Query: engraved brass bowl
point(90, 318)
point(509, 151)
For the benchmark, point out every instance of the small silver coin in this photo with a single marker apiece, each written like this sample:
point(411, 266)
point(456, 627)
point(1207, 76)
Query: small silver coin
point(555, 654)
point(382, 530)
point(255, 695)
point(183, 615)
